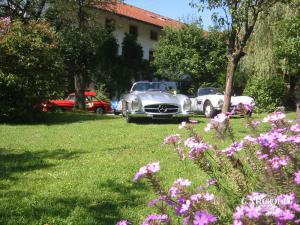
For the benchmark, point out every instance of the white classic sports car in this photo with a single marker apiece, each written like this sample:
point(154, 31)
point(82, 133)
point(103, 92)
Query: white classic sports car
point(209, 101)
point(154, 100)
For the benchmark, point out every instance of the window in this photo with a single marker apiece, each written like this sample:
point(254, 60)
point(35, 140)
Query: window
point(133, 30)
point(151, 56)
point(110, 23)
point(153, 35)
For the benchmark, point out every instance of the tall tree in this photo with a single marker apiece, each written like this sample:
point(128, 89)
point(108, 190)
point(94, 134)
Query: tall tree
point(239, 19)
point(23, 9)
point(77, 19)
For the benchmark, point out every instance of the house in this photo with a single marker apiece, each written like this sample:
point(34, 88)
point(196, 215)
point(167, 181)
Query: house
point(145, 25)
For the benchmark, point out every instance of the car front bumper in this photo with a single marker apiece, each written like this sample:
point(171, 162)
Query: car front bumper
point(138, 114)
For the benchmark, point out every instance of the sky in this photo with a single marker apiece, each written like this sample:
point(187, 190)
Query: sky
point(175, 9)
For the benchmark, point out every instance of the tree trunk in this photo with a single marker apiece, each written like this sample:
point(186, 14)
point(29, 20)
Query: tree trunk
point(231, 66)
point(298, 110)
point(79, 92)
point(297, 93)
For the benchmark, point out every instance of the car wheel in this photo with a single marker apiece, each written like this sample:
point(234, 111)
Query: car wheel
point(58, 109)
point(185, 119)
point(249, 113)
point(116, 112)
point(99, 111)
point(129, 119)
point(209, 110)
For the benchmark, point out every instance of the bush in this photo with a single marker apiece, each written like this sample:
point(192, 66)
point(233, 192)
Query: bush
point(31, 68)
point(268, 92)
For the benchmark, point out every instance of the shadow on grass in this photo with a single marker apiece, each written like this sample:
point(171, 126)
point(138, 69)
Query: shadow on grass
point(65, 118)
point(148, 121)
point(27, 208)
point(13, 164)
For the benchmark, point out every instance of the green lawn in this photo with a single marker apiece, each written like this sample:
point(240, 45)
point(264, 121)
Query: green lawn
point(77, 169)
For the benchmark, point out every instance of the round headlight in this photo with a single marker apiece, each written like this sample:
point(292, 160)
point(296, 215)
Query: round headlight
point(220, 102)
point(135, 105)
point(187, 105)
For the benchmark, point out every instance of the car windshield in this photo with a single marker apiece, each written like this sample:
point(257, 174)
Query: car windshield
point(207, 91)
point(149, 86)
point(71, 98)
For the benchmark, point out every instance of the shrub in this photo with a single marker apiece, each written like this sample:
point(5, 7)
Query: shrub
point(31, 67)
point(268, 92)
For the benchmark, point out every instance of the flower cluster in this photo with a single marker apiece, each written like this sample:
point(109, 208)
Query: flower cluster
point(274, 117)
point(123, 222)
point(217, 122)
point(154, 219)
point(147, 171)
point(295, 128)
point(268, 159)
point(200, 218)
point(4, 22)
point(281, 209)
point(297, 178)
point(172, 139)
point(233, 148)
point(187, 205)
point(242, 108)
point(196, 148)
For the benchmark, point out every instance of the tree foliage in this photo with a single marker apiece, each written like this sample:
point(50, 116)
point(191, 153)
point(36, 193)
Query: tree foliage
point(189, 51)
point(268, 92)
point(239, 19)
point(82, 37)
point(23, 10)
point(31, 67)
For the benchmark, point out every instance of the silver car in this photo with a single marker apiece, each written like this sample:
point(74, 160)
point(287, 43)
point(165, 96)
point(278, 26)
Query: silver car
point(156, 100)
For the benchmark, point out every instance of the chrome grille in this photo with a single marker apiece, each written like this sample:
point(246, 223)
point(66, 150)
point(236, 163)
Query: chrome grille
point(161, 108)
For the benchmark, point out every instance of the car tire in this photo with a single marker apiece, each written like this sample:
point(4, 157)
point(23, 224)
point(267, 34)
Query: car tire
point(129, 119)
point(58, 109)
point(249, 113)
point(209, 110)
point(99, 111)
point(117, 113)
point(185, 119)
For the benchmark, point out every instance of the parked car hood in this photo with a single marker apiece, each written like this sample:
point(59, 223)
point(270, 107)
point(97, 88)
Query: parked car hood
point(154, 97)
point(235, 100)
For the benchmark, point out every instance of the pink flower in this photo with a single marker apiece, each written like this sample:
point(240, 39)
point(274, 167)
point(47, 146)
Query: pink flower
point(156, 219)
point(297, 177)
point(211, 182)
point(235, 147)
point(196, 198)
point(203, 218)
point(182, 125)
point(197, 150)
point(172, 139)
point(208, 197)
point(193, 121)
point(208, 127)
point(220, 118)
point(274, 117)
point(123, 222)
point(182, 182)
point(184, 208)
point(147, 170)
point(295, 128)
point(277, 162)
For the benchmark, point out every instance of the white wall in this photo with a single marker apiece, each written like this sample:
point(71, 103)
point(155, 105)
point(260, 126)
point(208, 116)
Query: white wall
point(122, 26)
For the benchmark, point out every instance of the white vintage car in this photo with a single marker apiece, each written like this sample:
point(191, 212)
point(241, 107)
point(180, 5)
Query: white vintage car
point(155, 100)
point(209, 101)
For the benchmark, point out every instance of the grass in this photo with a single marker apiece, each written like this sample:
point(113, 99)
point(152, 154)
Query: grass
point(77, 168)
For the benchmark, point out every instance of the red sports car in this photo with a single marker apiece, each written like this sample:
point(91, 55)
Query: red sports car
point(92, 104)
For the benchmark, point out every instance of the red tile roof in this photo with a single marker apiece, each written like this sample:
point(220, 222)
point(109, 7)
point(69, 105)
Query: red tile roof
point(136, 13)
